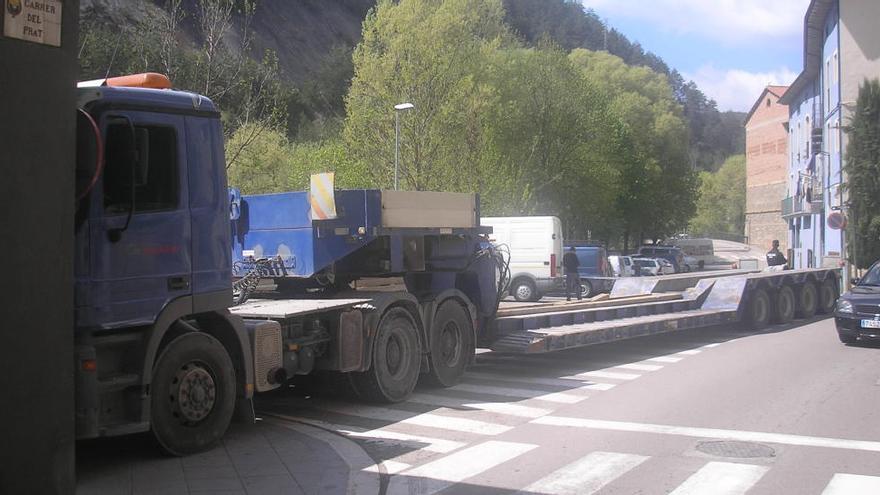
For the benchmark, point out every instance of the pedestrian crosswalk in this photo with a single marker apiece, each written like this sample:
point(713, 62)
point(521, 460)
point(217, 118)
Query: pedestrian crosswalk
point(443, 437)
point(592, 473)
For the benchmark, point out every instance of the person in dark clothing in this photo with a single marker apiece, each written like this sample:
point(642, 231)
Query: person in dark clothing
point(570, 264)
point(774, 256)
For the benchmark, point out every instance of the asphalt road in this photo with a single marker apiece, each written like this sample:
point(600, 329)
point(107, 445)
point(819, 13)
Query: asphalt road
point(711, 411)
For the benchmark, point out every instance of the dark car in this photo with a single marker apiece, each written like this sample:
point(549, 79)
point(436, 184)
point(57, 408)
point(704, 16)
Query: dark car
point(671, 254)
point(857, 313)
point(595, 272)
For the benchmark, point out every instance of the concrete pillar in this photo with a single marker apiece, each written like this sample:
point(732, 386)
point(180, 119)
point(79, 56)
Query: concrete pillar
point(37, 138)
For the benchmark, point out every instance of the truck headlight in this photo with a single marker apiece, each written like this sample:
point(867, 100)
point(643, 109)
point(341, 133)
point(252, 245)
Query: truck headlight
point(844, 306)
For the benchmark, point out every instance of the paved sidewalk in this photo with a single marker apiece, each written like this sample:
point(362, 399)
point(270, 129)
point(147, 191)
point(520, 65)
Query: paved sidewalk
point(270, 457)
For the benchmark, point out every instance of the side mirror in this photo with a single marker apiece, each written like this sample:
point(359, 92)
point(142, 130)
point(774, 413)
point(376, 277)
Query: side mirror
point(855, 280)
point(142, 156)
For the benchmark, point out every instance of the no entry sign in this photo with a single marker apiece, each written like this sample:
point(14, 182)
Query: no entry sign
point(836, 220)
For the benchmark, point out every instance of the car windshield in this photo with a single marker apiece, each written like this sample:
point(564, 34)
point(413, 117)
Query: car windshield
point(872, 278)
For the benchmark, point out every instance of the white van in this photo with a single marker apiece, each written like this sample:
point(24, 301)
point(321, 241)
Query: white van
point(622, 266)
point(535, 245)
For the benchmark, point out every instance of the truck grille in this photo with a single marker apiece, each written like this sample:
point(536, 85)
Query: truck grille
point(870, 309)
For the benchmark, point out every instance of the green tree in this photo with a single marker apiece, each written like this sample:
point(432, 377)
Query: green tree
point(651, 146)
point(427, 52)
point(862, 169)
point(722, 202)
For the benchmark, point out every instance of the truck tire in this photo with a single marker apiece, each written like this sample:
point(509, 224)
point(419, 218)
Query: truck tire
point(524, 290)
point(452, 344)
point(827, 295)
point(192, 394)
point(783, 305)
point(396, 360)
point(807, 300)
point(758, 310)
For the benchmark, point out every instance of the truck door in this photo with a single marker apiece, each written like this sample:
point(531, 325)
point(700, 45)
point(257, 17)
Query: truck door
point(141, 256)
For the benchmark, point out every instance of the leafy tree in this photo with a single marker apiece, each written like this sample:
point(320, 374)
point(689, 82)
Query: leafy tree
point(426, 52)
point(652, 146)
point(722, 202)
point(862, 169)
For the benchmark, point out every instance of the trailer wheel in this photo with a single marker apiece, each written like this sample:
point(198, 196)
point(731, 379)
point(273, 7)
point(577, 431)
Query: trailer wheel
point(192, 394)
point(396, 360)
point(524, 290)
point(827, 295)
point(758, 309)
point(807, 300)
point(452, 344)
point(783, 305)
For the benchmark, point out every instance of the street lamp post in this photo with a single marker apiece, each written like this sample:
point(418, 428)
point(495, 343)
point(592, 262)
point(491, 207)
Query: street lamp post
point(397, 109)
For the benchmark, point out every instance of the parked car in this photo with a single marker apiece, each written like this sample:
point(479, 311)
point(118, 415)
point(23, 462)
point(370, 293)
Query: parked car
point(700, 249)
point(621, 266)
point(666, 267)
point(535, 245)
point(671, 254)
point(646, 267)
point(857, 313)
point(594, 270)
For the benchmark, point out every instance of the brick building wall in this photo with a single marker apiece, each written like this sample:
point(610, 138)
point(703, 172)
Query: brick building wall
point(766, 167)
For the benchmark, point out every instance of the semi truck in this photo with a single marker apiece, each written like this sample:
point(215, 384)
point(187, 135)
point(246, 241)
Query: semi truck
point(190, 298)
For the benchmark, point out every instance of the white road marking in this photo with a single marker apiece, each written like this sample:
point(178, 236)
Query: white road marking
point(440, 474)
point(605, 374)
point(852, 484)
point(665, 359)
point(745, 436)
point(495, 407)
point(424, 419)
point(689, 352)
point(722, 478)
point(640, 367)
point(560, 397)
point(390, 467)
point(567, 382)
point(438, 445)
point(587, 475)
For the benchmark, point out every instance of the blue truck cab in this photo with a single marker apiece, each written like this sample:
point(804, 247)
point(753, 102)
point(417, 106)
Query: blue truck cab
point(156, 347)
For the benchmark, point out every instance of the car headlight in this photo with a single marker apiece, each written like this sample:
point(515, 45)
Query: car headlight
point(844, 306)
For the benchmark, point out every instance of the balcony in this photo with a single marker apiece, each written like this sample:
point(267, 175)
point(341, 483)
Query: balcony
point(799, 206)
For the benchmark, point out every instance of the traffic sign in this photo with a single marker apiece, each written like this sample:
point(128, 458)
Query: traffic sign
point(836, 220)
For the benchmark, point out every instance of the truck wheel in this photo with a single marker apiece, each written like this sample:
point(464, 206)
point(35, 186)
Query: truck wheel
point(807, 300)
point(827, 295)
point(452, 344)
point(192, 394)
point(783, 305)
point(586, 289)
point(758, 310)
point(396, 360)
point(524, 290)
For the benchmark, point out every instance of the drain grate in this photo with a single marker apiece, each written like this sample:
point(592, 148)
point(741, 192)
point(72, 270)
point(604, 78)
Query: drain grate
point(736, 449)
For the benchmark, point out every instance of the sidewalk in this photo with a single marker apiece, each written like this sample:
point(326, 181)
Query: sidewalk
point(270, 457)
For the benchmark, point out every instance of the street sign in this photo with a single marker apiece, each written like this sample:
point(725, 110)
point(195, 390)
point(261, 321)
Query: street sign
point(836, 220)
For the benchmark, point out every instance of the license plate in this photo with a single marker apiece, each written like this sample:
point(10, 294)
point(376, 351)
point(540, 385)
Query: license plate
point(870, 323)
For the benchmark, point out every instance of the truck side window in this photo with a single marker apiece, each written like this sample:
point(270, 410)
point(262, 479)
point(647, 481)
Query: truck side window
point(160, 191)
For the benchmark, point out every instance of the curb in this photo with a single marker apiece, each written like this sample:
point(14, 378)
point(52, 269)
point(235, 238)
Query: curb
point(364, 474)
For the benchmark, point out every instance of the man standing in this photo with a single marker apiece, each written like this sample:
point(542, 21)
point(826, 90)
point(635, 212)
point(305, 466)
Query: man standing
point(570, 264)
point(774, 256)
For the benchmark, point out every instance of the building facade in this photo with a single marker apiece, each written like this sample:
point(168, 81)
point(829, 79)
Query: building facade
point(841, 50)
point(766, 169)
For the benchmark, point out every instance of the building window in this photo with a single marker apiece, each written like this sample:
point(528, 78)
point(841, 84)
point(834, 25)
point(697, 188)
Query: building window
point(827, 81)
point(835, 69)
point(836, 136)
point(808, 222)
point(806, 140)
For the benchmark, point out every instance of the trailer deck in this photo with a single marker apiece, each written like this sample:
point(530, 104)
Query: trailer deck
point(711, 301)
